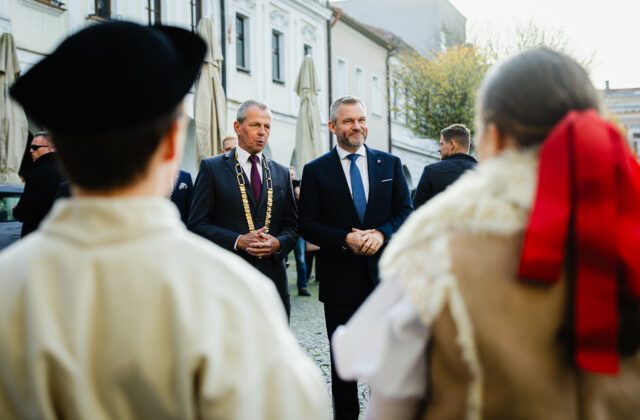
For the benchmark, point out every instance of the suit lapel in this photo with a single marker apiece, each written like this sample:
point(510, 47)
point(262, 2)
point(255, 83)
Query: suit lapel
point(336, 175)
point(231, 164)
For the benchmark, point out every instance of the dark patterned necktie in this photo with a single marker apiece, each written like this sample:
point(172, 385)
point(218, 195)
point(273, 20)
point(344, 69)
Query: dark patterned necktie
point(256, 182)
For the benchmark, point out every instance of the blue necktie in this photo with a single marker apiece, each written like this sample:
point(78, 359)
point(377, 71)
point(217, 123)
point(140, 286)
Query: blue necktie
point(357, 188)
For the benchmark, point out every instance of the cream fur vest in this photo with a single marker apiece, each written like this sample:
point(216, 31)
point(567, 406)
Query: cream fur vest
point(496, 350)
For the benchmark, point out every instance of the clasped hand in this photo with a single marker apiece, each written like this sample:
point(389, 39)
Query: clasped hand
point(364, 242)
point(258, 243)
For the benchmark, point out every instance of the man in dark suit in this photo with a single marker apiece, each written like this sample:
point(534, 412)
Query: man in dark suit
point(181, 195)
point(41, 185)
point(352, 200)
point(454, 150)
point(244, 202)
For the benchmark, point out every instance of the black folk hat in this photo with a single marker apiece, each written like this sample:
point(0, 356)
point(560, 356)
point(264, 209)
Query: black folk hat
point(111, 76)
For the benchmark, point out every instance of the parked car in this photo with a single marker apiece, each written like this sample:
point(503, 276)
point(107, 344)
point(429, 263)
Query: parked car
point(9, 227)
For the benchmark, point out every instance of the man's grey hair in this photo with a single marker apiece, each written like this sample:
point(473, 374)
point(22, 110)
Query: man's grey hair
point(44, 134)
point(229, 137)
point(241, 115)
point(333, 112)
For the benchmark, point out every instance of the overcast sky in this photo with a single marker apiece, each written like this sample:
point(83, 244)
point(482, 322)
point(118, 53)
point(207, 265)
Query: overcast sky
point(610, 29)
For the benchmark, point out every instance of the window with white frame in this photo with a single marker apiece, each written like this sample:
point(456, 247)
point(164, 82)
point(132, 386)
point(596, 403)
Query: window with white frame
point(360, 84)
point(196, 14)
point(103, 8)
point(342, 88)
point(376, 96)
point(277, 56)
point(242, 42)
point(154, 7)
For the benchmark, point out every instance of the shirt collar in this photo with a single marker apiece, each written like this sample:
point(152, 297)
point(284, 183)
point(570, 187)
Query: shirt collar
point(362, 151)
point(243, 155)
point(91, 220)
point(464, 156)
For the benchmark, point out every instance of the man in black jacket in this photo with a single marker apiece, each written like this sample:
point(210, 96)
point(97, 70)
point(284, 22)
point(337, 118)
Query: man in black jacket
point(40, 186)
point(454, 149)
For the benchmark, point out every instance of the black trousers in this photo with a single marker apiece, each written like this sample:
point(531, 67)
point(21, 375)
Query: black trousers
point(345, 393)
point(308, 259)
point(286, 302)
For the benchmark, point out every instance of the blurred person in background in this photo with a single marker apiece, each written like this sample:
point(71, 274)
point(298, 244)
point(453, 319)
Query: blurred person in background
point(514, 293)
point(228, 144)
point(436, 177)
point(299, 249)
point(41, 185)
point(181, 194)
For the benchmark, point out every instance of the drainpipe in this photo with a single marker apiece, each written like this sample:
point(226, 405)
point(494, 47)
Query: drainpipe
point(329, 73)
point(223, 45)
point(388, 68)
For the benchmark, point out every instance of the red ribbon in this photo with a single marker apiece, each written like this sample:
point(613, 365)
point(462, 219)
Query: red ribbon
point(589, 178)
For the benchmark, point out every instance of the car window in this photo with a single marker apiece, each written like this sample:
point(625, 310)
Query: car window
point(7, 203)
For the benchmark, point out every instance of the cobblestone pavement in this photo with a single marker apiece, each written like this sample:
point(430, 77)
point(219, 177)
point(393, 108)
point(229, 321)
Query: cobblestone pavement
point(307, 324)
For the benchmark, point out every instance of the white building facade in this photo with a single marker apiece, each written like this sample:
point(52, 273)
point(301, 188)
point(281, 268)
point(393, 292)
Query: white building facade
point(300, 27)
point(265, 44)
point(426, 25)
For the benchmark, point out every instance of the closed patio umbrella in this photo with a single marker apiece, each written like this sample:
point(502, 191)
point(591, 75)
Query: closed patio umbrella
point(210, 105)
point(13, 121)
point(308, 126)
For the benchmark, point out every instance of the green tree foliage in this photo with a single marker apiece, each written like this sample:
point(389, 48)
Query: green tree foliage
point(439, 91)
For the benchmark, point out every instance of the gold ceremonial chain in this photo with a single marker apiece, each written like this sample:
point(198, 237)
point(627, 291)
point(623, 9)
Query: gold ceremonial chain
point(243, 193)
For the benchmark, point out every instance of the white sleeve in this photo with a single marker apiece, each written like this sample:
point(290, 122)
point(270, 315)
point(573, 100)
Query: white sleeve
point(384, 344)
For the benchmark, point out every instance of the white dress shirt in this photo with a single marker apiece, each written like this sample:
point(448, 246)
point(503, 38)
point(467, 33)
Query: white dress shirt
point(362, 164)
point(243, 157)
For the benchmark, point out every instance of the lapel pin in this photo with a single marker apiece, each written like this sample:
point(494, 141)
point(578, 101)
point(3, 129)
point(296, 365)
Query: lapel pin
point(378, 160)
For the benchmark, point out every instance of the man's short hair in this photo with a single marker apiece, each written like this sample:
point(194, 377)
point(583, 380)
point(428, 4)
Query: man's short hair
point(229, 137)
point(459, 133)
point(241, 115)
point(333, 112)
point(101, 161)
point(44, 134)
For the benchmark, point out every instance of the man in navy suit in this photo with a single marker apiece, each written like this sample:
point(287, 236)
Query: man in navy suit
point(181, 194)
point(352, 200)
point(244, 202)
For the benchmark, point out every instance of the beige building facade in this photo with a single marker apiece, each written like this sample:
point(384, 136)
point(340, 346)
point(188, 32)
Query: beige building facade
point(624, 104)
point(359, 68)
